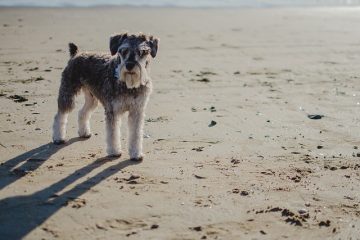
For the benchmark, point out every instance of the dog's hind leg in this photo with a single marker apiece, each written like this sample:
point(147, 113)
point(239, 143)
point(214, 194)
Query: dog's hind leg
point(66, 103)
point(85, 114)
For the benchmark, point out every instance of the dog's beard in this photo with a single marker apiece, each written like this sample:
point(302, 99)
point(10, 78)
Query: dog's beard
point(133, 80)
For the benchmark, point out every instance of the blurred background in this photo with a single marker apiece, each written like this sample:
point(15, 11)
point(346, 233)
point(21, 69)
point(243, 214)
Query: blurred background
point(182, 3)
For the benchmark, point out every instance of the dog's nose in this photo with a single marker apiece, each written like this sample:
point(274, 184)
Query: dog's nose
point(130, 66)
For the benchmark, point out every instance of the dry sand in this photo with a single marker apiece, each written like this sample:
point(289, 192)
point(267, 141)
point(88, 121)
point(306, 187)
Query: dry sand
point(264, 171)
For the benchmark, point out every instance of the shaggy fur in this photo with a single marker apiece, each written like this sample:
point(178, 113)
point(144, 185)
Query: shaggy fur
point(120, 82)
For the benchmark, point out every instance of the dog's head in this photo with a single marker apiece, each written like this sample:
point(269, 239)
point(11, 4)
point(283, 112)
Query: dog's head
point(134, 53)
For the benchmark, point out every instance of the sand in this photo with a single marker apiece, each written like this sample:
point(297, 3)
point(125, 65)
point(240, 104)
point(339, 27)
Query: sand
point(230, 150)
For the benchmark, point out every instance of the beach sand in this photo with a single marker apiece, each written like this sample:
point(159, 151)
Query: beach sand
point(265, 170)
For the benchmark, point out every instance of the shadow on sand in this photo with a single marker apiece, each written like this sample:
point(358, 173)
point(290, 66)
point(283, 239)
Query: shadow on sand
point(20, 215)
point(29, 161)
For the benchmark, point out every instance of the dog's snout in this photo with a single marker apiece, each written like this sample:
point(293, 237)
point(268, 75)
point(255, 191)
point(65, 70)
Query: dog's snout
point(130, 66)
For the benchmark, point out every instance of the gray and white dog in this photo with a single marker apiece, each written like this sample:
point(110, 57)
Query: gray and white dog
point(120, 81)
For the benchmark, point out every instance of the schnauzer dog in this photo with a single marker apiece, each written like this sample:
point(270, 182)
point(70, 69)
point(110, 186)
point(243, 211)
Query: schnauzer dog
point(120, 81)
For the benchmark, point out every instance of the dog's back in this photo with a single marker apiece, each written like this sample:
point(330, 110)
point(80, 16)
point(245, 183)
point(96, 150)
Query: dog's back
point(81, 67)
point(85, 65)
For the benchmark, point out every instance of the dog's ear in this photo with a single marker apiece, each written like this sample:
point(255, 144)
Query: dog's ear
point(154, 45)
point(115, 41)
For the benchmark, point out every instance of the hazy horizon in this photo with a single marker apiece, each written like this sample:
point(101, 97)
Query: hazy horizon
point(180, 3)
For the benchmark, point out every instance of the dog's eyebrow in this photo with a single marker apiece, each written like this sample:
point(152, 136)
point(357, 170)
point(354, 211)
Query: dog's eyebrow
point(143, 46)
point(123, 46)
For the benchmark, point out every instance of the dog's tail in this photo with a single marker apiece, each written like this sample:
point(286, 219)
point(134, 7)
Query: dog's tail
point(73, 49)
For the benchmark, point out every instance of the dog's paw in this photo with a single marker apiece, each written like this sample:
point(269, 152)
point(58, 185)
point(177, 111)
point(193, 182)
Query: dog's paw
point(85, 135)
point(114, 155)
point(59, 142)
point(137, 159)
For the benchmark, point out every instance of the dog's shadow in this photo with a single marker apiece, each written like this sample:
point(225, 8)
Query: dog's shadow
point(19, 215)
point(17, 167)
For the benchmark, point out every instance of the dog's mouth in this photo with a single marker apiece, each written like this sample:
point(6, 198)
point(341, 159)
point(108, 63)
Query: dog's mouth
point(130, 72)
point(132, 79)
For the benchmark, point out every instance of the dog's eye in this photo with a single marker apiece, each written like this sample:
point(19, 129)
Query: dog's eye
point(143, 53)
point(124, 51)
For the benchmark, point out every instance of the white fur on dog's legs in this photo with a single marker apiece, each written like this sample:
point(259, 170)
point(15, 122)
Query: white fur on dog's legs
point(85, 115)
point(135, 125)
point(59, 127)
point(113, 134)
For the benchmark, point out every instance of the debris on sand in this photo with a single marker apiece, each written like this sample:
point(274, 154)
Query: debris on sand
point(154, 226)
point(132, 177)
point(205, 73)
point(158, 119)
point(289, 216)
point(76, 202)
point(204, 80)
point(212, 123)
point(18, 98)
point(198, 149)
point(315, 116)
point(30, 104)
point(39, 79)
point(293, 221)
point(324, 223)
point(32, 69)
point(54, 233)
point(244, 193)
point(236, 191)
point(198, 228)
point(203, 76)
point(100, 226)
point(235, 161)
point(199, 177)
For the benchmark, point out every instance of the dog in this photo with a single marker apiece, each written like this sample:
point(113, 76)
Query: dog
point(120, 81)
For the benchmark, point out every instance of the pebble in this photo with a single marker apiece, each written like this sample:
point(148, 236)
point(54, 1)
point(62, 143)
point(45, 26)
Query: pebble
point(244, 193)
point(198, 229)
point(212, 123)
point(302, 211)
point(154, 226)
point(315, 116)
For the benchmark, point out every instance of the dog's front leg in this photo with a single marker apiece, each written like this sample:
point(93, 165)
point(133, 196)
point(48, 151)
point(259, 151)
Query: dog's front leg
point(135, 124)
point(113, 133)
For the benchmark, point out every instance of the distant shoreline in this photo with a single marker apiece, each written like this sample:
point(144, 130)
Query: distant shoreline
point(176, 7)
point(205, 4)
